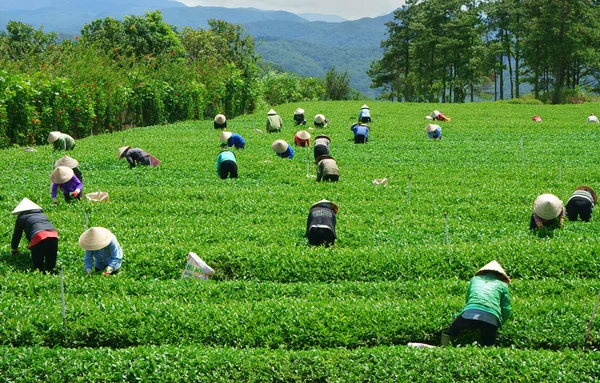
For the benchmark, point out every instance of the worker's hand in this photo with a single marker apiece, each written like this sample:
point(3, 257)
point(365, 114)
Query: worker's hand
point(75, 193)
point(109, 270)
point(88, 271)
point(54, 201)
point(14, 251)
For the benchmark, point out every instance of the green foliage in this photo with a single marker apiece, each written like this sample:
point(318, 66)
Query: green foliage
point(280, 88)
point(337, 85)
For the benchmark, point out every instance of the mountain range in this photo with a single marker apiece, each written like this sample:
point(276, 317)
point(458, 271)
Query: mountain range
point(290, 41)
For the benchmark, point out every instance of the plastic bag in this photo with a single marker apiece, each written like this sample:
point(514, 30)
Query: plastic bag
point(196, 268)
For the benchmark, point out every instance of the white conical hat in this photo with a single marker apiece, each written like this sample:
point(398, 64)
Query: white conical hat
point(303, 135)
point(67, 161)
point(53, 136)
point(122, 150)
point(271, 112)
point(279, 146)
point(26, 205)
point(319, 119)
point(435, 114)
point(364, 106)
point(431, 127)
point(298, 111)
point(547, 206)
point(332, 205)
point(494, 266)
point(592, 119)
point(95, 238)
point(224, 136)
point(220, 119)
point(61, 174)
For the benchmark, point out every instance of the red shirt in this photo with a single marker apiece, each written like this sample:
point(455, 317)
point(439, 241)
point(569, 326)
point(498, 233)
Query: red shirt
point(41, 235)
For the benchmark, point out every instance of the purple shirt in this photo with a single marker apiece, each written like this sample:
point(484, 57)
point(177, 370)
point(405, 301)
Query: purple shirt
point(68, 187)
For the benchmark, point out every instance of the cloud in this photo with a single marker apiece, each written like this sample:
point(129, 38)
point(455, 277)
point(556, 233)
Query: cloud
point(349, 9)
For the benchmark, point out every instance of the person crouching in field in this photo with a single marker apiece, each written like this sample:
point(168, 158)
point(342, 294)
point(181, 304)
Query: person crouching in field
point(228, 139)
point(299, 117)
point(364, 115)
point(487, 306)
point(302, 139)
point(61, 141)
point(581, 204)
point(137, 156)
point(320, 226)
point(434, 131)
point(70, 163)
point(283, 149)
point(320, 121)
point(322, 146)
point(227, 165)
point(361, 133)
point(548, 212)
point(274, 122)
point(42, 236)
point(327, 169)
point(102, 251)
point(437, 115)
point(64, 178)
point(220, 122)
point(592, 119)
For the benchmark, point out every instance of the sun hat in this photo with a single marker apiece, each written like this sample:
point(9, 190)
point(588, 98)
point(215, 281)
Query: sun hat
point(319, 119)
point(67, 161)
point(224, 136)
point(547, 206)
point(61, 174)
point(95, 238)
point(53, 136)
point(26, 205)
point(435, 114)
point(431, 128)
point(220, 119)
point(298, 112)
point(592, 119)
point(122, 151)
point(428, 118)
point(303, 135)
point(495, 267)
point(364, 106)
point(323, 136)
point(332, 205)
point(280, 146)
point(271, 112)
point(324, 157)
point(591, 191)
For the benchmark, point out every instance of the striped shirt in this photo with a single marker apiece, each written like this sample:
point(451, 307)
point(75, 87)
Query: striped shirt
point(582, 194)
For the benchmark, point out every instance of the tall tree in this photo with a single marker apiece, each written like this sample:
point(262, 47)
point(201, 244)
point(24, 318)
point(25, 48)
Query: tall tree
point(337, 85)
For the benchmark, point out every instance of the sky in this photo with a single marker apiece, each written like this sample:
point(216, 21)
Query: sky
point(348, 9)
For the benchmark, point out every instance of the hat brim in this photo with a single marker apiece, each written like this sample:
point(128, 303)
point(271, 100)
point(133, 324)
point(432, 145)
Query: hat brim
point(61, 174)
point(95, 238)
point(123, 150)
point(66, 161)
point(332, 205)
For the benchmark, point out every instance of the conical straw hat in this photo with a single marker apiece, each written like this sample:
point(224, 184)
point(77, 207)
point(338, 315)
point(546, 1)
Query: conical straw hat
point(122, 150)
point(95, 238)
point(26, 205)
point(67, 161)
point(53, 136)
point(61, 174)
point(332, 205)
point(547, 206)
point(495, 267)
point(298, 112)
point(431, 127)
point(220, 119)
point(271, 112)
point(319, 119)
point(224, 136)
point(303, 135)
point(428, 117)
point(364, 106)
point(592, 119)
point(435, 114)
point(279, 146)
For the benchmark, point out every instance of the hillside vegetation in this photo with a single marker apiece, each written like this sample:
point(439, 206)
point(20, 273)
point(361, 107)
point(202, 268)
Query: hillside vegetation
point(277, 309)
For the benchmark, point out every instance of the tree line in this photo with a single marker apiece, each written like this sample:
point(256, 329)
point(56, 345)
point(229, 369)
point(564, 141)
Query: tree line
point(446, 51)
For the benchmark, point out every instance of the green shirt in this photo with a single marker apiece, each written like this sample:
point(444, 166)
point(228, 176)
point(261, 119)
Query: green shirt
point(489, 293)
point(64, 142)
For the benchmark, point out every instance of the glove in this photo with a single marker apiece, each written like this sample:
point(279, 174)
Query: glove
point(14, 251)
point(54, 201)
point(88, 271)
point(75, 193)
point(109, 270)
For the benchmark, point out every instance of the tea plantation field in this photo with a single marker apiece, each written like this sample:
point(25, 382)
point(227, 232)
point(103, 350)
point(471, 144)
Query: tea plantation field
point(277, 310)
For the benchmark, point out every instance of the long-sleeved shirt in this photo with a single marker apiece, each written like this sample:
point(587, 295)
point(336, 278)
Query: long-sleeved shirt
point(582, 194)
point(64, 142)
point(327, 167)
point(236, 140)
point(111, 255)
point(321, 217)
point(68, 187)
point(225, 155)
point(323, 141)
point(437, 133)
point(289, 153)
point(489, 293)
point(274, 123)
point(364, 113)
point(136, 156)
point(360, 129)
point(31, 222)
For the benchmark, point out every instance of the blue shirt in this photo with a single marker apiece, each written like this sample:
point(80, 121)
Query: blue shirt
point(225, 155)
point(236, 140)
point(360, 129)
point(364, 113)
point(289, 153)
point(437, 133)
point(111, 255)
